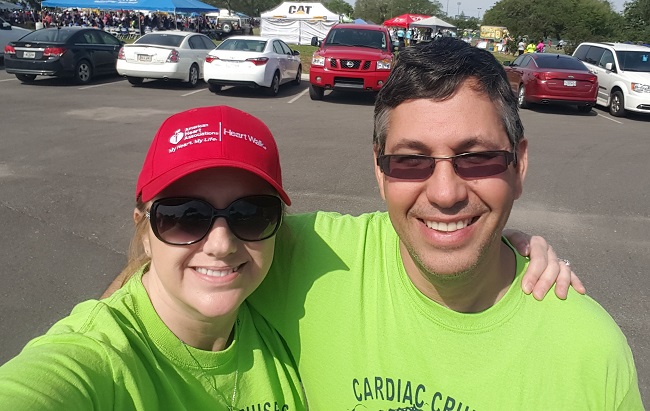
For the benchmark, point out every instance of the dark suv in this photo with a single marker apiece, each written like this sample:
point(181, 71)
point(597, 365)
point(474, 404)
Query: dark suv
point(355, 57)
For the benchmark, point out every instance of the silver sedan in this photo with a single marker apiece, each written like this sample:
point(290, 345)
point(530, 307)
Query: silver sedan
point(168, 55)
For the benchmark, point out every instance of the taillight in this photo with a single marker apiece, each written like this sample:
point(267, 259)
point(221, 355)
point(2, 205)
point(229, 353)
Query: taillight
point(120, 54)
point(53, 51)
point(173, 57)
point(10, 49)
point(593, 79)
point(210, 59)
point(258, 61)
point(540, 76)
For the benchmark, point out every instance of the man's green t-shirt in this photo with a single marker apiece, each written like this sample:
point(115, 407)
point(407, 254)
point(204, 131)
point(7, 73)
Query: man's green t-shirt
point(366, 339)
point(117, 354)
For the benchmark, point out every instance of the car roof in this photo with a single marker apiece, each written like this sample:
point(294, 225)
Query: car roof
point(252, 38)
point(620, 46)
point(174, 32)
point(373, 27)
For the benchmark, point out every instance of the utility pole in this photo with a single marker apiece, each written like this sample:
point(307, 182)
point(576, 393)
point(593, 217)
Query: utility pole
point(478, 13)
point(458, 14)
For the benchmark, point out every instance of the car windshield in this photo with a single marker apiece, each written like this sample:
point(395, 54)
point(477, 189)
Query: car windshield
point(161, 39)
point(634, 60)
point(49, 36)
point(557, 62)
point(243, 45)
point(356, 38)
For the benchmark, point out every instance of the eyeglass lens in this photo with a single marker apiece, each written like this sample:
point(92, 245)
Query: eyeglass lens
point(466, 165)
point(186, 220)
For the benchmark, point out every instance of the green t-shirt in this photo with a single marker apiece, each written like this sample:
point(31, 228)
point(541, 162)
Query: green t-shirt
point(366, 339)
point(117, 354)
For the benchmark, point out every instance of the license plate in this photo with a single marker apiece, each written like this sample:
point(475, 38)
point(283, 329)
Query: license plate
point(570, 83)
point(29, 54)
point(144, 58)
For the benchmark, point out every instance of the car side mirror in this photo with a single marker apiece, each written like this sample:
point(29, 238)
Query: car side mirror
point(315, 42)
point(296, 53)
point(609, 66)
point(6, 26)
point(507, 62)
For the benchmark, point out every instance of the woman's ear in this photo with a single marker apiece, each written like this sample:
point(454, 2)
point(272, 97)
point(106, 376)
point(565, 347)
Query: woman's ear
point(138, 215)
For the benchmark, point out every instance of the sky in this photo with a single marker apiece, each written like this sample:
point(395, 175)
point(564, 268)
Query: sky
point(471, 7)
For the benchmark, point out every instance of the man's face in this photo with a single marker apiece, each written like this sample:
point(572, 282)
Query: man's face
point(448, 225)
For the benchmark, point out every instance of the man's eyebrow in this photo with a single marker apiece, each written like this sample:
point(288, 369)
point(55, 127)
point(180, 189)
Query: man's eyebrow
point(463, 146)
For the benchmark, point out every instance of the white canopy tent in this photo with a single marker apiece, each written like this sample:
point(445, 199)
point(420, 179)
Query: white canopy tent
point(297, 22)
point(433, 22)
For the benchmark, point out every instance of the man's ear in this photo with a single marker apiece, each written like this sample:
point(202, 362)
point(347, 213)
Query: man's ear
point(522, 166)
point(378, 174)
point(137, 217)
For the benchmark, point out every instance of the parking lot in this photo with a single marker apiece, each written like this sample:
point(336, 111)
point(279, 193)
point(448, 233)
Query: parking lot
point(70, 157)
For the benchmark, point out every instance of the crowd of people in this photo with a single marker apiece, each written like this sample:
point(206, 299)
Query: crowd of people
point(126, 19)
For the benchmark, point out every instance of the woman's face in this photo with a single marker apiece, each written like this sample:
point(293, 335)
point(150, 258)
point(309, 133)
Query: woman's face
point(210, 278)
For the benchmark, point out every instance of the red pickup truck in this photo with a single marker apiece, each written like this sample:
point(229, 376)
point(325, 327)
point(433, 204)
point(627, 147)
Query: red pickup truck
point(351, 57)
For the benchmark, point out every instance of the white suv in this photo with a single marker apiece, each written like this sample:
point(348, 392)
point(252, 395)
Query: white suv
point(623, 72)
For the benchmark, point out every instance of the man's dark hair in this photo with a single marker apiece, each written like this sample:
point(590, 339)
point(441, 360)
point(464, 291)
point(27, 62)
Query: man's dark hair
point(434, 71)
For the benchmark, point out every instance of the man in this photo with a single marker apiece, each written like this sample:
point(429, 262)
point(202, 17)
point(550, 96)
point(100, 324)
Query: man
point(422, 308)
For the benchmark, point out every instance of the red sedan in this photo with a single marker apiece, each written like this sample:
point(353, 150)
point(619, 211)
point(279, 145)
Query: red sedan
point(546, 78)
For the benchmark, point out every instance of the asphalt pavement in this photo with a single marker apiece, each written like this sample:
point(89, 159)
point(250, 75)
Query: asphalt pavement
point(70, 156)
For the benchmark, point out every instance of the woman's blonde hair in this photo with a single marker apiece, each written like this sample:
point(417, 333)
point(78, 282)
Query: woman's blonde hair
point(137, 256)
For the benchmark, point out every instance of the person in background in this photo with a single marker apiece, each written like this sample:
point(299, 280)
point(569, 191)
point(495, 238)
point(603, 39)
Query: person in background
point(520, 47)
point(179, 335)
point(540, 46)
point(530, 48)
point(422, 307)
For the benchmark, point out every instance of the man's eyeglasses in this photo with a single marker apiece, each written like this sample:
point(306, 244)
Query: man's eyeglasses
point(467, 165)
point(183, 221)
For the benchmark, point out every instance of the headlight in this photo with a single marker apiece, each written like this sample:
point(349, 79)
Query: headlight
point(317, 60)
point(641, 88)
point(384, 64)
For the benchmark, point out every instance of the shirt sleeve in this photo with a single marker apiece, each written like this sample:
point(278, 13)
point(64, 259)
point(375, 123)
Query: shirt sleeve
point(63, 372)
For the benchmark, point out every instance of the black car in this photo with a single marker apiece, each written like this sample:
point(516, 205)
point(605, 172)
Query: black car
point(77, 52)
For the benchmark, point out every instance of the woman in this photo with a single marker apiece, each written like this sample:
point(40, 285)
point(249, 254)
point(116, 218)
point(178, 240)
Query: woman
point(179, 335)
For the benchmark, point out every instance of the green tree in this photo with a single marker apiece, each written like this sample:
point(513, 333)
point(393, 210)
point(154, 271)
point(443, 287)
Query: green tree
point(340, 7)
point(572, 20)
point(637, 20)
point(378, 11)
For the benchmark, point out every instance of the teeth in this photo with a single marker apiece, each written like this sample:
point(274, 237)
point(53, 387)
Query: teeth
point(215, 273)
point(448, 227)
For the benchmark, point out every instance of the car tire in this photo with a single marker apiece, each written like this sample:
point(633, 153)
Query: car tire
point(136, 81)
point(315, 92)
point(521, 97)
point(617, 104)
point(26, 78)
point(275, 85)
point(215, 88)
point(226, 27)
point(193, 78)
point(83, 72)
point(298, 79)
point(584, 109)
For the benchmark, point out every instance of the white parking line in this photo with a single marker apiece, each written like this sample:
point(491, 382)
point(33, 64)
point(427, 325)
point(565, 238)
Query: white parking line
point(298, 96)
point(609, 118)
point(192, 92)
point(95, 85)
point(8, 79)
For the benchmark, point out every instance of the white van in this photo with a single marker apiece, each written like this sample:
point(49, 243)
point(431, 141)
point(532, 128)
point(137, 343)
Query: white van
point(623, 72)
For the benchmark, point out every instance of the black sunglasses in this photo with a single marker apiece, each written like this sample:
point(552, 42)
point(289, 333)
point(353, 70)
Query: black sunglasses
point(467, 165)
point(183, 221)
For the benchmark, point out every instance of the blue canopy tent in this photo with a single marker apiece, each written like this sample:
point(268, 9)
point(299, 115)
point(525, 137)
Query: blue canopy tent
point(172, 6)
point(360, 21)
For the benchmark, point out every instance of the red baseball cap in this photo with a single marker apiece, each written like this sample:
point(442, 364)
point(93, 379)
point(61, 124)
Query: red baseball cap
point(208, 137)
